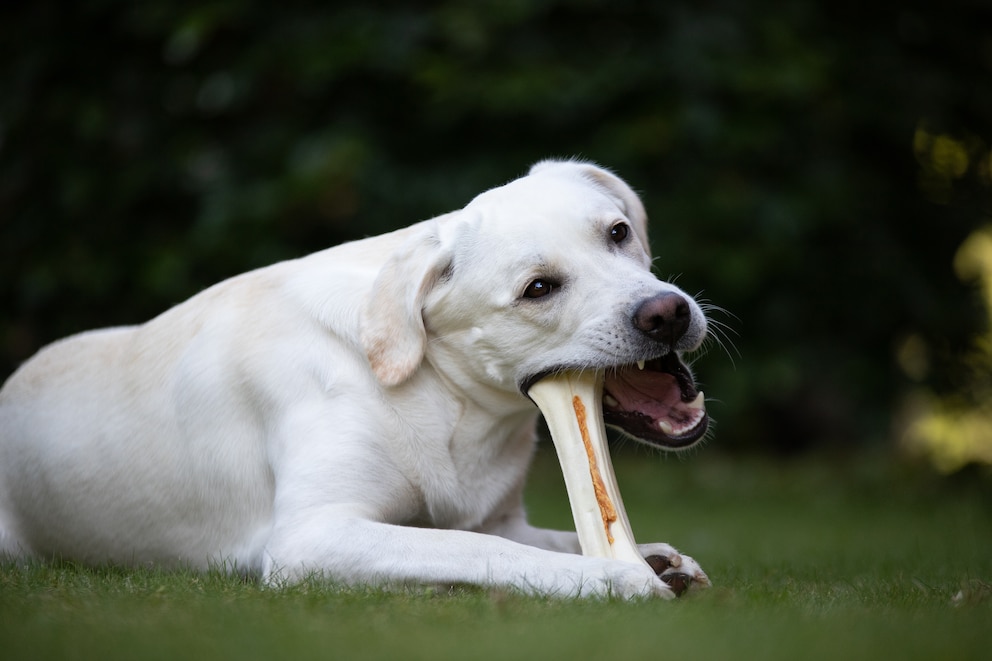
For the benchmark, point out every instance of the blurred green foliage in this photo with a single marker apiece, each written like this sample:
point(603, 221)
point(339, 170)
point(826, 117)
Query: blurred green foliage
point(809, 166)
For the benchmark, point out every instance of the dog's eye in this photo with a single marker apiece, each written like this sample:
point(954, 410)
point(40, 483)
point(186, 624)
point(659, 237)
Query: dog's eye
point(619, 232)
point(539, 288)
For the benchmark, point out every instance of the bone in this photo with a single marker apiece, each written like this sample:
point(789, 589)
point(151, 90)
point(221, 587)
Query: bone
point(572, 404)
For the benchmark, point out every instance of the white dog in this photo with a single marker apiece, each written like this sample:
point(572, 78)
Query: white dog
point(360, 413)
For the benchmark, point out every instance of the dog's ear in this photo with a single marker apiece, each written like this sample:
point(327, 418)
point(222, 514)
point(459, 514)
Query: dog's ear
point(392, 328)
point(615, 187)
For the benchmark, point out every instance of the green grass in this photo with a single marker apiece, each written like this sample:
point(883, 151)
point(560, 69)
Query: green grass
point(810, 560)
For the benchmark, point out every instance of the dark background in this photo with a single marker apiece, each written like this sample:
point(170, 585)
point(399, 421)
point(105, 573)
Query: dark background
point(811, 167)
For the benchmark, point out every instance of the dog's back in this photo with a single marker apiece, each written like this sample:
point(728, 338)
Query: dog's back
point(92, 450)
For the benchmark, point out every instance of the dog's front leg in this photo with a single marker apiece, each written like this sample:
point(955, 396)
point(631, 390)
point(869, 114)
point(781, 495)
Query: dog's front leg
point(358, 551)
point(509, 520)
point(518, 529)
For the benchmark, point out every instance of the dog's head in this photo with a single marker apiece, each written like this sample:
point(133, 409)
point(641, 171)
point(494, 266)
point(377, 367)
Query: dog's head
point(549, 272)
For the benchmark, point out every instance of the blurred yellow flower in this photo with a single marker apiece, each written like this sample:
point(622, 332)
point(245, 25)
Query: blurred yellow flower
point(956, 431)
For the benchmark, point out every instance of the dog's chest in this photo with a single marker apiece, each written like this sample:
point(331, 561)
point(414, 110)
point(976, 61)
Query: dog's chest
point(476, 476)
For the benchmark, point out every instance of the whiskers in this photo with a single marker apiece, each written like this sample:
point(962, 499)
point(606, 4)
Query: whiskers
point(720, 332)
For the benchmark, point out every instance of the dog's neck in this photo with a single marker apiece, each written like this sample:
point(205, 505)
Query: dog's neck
point(465, 381)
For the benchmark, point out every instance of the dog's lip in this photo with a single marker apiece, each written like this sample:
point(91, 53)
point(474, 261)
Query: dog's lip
point(664, 389)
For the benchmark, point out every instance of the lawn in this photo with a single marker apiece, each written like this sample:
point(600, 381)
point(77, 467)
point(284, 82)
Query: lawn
point(810, 559)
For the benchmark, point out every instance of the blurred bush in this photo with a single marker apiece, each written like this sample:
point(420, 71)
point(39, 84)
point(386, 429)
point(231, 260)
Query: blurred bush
point(955, 430)
point(810, 167)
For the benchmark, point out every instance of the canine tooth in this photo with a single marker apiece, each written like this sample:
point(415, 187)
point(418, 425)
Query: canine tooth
point(572, 404)
point(640, 364)
point(610, 400)
point(665, 427)
point(698, 403)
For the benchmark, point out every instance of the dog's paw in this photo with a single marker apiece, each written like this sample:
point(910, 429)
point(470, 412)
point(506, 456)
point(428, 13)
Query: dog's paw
point(601, 577)
point(680, 572)
point(634, 581)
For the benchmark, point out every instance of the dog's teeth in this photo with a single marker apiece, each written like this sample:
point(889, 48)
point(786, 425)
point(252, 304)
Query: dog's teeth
point(665, 427)
point(640, 364)
point(699, 403)
point(610, 401)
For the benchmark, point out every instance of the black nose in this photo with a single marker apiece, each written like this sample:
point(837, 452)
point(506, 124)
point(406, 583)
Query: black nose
point(664, 318)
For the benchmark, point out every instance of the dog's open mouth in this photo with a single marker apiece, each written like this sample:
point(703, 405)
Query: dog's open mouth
point(655, 401)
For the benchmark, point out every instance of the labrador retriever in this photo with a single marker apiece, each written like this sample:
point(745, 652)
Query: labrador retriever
point(360, 413)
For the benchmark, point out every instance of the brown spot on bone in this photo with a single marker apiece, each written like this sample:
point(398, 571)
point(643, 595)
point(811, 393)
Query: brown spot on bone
point(606, 509)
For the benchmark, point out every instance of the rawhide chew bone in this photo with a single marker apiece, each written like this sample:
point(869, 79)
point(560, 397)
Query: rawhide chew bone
point(572, 404)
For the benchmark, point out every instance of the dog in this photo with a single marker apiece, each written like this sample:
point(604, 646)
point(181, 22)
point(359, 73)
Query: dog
point(360, 414)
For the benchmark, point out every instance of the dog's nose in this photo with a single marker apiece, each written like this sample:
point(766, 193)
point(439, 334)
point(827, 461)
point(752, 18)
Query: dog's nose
point(664, 318)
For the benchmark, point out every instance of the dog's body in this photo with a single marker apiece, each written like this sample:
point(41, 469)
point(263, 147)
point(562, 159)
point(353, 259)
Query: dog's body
point(357, 412)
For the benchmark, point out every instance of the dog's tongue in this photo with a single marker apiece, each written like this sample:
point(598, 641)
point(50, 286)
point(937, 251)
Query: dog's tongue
point(572, 406)
point(650, 393)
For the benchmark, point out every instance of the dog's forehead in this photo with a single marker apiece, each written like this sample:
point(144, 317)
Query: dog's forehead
point(546, 202)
